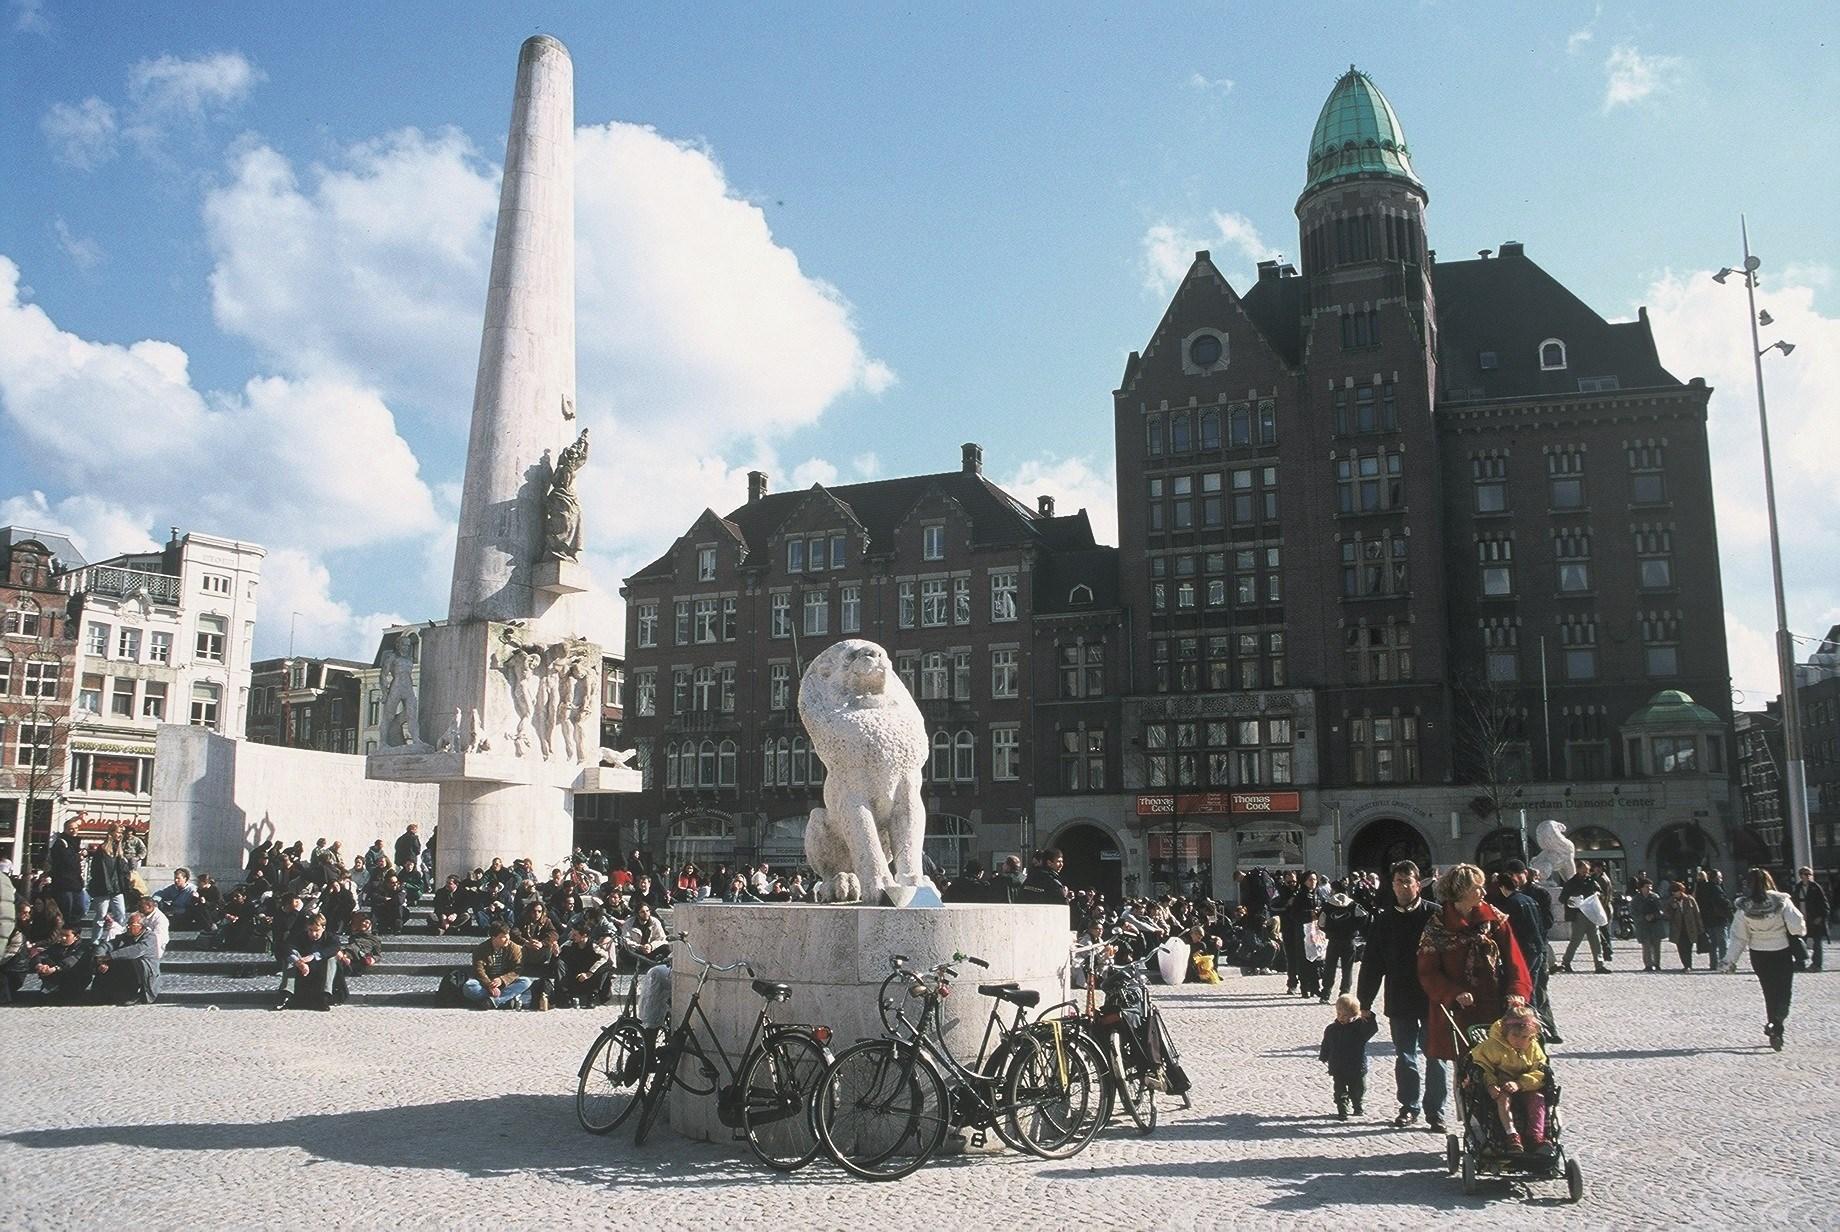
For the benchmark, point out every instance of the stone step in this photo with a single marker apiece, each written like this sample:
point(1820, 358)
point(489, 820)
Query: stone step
point(369, 991)
point(392, 962)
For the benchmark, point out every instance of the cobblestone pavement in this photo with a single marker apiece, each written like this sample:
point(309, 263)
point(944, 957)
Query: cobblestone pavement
point(408, 1117)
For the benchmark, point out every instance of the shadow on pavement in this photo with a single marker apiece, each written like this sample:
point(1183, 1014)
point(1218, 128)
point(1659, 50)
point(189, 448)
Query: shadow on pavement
point(511, 1134)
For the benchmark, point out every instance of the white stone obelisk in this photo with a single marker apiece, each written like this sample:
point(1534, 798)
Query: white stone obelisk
point(508, 679)
point(524, 398)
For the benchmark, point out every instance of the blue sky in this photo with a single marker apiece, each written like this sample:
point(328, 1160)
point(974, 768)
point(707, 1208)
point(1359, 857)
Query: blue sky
point(828, 240)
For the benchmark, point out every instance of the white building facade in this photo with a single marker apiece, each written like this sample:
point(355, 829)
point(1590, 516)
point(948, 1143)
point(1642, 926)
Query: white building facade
point(165, 637)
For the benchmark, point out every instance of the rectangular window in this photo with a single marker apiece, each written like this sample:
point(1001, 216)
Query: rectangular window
point(1182, 504)
point(729, 620)
point(961, 601)
point(705, 564)
point(683, 622)
point(1655, 557)
point(205, 700)
point(159, 647)
point(89, 693)
point(211, 633)
point(1003, 673)
point(1504, 666)
point(645, 692)
point(1002, 597)
point(645, 632)
point(1662, 662)
point(1581, 663)
point(1155, 505)
point(961, 675)
point(933, 542)
point(907, 667)
point(933, 602)
point(1005, 754)
point(814, 555)
point(121, 697)
point(795, 556)
point(726, 683)
point(909, 605)
point(779, 686)
point(96, 641)
point(779, 607)
point(1647, 481)
point(849, 603)
point(1565, 478)
point(128, 645)
point(33, 746)
point(216, 584)
point(705, 621)
point(839, 550)
point(1153, 435)
point(817, 613)
point(153, 700)
point(933, 679)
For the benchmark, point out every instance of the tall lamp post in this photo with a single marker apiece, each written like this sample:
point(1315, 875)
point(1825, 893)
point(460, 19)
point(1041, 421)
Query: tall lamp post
point(1795, 775)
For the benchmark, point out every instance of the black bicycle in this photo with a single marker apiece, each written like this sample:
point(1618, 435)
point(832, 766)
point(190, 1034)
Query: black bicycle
point(886, 1105)
point(768, 1095)
point(1140, 1059)
point(607, 1087)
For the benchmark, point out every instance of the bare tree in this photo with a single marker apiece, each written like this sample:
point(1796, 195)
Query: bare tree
point(1491, 740)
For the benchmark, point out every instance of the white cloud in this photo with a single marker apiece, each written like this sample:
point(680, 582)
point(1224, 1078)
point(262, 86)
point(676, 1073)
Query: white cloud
point(81, 135)
point(1582, 37)
point(1075, 484)
point(99, 528)
point(29, 17)
point(867, 466)
point(280, 461)
point(297, 600)
point(163, 94)
point(1168, 249)
point(83, 252)
point(1701, 330)
point(1631, 77)
point(1204, 84)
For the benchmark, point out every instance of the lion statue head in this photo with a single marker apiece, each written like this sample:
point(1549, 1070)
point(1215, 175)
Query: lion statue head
point(851, 699)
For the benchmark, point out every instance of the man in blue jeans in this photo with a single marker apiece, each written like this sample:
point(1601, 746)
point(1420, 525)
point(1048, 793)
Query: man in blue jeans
point(1392, 956)
point(496, 980)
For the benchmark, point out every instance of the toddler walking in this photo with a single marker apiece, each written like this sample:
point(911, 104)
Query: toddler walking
point(1344, 1048)
point(1514, 1066)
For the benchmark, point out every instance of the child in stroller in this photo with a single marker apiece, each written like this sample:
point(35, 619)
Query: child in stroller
point(1512, 1066)
point(1502, 1071)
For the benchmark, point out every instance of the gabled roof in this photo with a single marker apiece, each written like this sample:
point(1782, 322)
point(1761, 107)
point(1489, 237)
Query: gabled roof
point(881, 505)
point(1095, 568)
point(1509, 306)
point(1274, 321)
point(61, 548)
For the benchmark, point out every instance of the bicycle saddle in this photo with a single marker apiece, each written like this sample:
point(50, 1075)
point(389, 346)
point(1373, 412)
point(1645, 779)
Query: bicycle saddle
point(773, 990)
point(1010, 992)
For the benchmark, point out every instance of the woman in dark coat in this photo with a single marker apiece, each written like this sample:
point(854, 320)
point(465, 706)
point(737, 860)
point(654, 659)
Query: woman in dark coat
point(1468, 961)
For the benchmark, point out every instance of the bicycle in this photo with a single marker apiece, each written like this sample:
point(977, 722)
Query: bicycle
point(1132, 1078)
point(768, 1095)
point(885, 1106)
point(607, 1086)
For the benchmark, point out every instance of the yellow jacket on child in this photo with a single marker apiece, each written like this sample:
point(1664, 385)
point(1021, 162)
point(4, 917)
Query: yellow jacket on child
point(1500, 1061)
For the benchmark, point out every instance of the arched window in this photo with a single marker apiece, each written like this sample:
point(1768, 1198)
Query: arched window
point(1552, 355)
point(800, 761)
point(783, 752)
point(941, 769)
point(767, 767)
point(22, 617)
point(1079, 594)
point(707, 838)
point(670, 764)
point(1679, 851)
point(686, 764)
point(818, 770)
point(1180, 437)
point(948, 842)
point(1210, 429)
point(706, 764)
point(725, 764)
point(964, 757)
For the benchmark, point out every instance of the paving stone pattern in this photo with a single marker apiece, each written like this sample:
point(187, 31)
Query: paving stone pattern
point(421, 1118)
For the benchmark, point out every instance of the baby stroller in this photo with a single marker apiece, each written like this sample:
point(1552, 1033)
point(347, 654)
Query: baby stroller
point(1482, 1147)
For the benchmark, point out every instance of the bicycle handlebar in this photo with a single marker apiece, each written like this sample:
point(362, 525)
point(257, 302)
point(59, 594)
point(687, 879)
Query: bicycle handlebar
point(683, 938)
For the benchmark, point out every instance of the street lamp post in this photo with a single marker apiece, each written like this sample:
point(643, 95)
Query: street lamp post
point(1795, 775)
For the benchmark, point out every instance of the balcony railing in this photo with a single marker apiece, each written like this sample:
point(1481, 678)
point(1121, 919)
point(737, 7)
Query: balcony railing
point(126, 583)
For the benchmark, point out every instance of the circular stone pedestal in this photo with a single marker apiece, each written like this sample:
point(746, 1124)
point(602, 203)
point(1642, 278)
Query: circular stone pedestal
point(836, 958)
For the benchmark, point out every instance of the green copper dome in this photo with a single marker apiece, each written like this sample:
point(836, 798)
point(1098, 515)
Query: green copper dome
point(1672, 708)
point(1358, 134)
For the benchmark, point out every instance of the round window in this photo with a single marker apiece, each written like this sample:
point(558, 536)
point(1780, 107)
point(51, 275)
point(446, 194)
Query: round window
point(1204, 351)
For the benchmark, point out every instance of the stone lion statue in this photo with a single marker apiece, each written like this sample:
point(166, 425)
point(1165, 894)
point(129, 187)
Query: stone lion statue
point(863, 722)
point(1557, 854)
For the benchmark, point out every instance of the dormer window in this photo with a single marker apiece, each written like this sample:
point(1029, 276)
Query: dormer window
point(705, 564)
point(1552, 355)
point(933, 542)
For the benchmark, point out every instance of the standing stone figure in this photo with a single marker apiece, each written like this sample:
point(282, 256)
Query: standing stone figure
point(526, 682)
point(561, 509)
point(399, 689)
point(584, 709)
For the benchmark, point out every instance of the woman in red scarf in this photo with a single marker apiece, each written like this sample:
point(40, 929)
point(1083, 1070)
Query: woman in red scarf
point(1468, 961)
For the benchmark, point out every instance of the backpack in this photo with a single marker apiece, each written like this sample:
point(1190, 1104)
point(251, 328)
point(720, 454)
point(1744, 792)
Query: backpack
point(449, 994)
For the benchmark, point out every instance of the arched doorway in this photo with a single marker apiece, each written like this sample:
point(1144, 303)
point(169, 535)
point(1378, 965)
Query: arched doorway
point(1604, 850)
point(1093, 859)
point(1381, 844)
point(1498, 847)
point(707, 839)
point(1679, 851)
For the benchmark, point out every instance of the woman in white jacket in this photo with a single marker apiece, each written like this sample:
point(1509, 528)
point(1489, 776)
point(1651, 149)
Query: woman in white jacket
point(1763, 921)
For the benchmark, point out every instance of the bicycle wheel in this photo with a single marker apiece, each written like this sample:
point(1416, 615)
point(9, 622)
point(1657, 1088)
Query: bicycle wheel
point(660, 1075)
point(1052, 1095)
point(1133, 1087)
point(777, 1091)
point(608, 1086)
point(882, 1112)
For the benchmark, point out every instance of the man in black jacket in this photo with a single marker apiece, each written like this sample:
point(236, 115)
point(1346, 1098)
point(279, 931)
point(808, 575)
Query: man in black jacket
point(66, 862)
point(127, 969)
point(1392, 956)
point(1508, 895)
point(1714, 914)
point(1811, 901)
point(1582, 885)
point(66, 966)
point(1343, 920)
